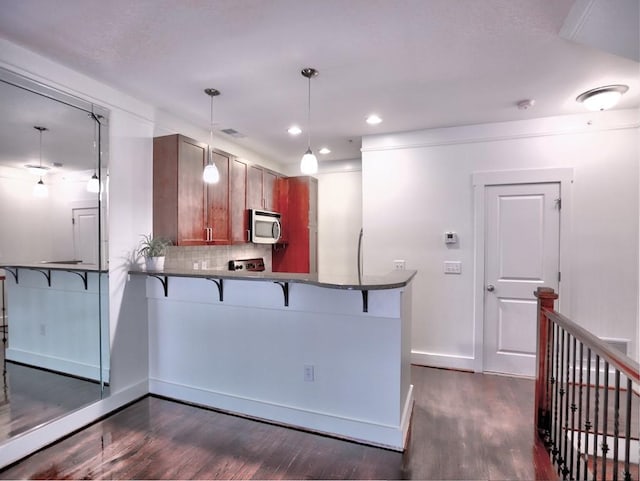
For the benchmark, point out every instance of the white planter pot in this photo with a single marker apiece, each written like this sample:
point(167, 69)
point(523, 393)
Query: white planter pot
point(154, 263)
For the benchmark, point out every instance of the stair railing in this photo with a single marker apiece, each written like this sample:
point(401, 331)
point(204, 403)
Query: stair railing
point(580, 384)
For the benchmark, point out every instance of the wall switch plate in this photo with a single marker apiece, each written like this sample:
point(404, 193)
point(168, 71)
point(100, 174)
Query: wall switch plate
point(452, 267)
point(309, 374)
point(399, 264)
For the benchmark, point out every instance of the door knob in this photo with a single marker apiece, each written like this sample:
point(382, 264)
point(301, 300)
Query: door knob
point(491, 288)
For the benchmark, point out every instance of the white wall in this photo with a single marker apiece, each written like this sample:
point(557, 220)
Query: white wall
point(339, 221)
point(27, 220)
point(417, 185)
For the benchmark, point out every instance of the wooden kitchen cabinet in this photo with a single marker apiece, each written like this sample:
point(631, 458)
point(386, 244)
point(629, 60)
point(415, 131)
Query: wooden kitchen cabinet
point(186, 210)
point(238, 211)
point(261, 189)
point(299, 207)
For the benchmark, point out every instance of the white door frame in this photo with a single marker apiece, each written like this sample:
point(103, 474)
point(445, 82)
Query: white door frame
point(562, 175)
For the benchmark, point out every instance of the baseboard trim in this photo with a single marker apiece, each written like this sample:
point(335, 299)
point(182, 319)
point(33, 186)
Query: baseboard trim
point(57, 364)
point(28, 443)
point(359, 430)
point(446, 361)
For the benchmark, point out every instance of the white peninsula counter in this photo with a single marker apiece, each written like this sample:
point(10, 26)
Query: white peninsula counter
point(327, 354)
point(55, 313)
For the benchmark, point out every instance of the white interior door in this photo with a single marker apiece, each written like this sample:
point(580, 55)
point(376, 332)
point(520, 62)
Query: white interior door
point(85, 235)
point(522, 242)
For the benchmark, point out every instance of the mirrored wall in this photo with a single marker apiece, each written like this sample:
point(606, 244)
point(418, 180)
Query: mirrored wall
point(53, 254)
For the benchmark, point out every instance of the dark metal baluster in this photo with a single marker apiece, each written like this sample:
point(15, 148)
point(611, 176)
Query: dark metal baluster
point(556, 395)
point(561, 402)
point(578, 464)
point(595, 420)
point(573, 408)
point(616, 424)
point(605, 413)
point(549, 382)
point(587, 424)
point(567, 349)
point(627, 433)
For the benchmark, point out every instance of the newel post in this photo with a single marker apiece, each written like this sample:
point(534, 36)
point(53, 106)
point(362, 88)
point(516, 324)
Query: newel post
point(546, 297)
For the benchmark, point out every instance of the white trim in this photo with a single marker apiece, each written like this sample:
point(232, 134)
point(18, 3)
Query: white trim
point(57, 364)
point(361, 430)
point(508, 177)
point(584, 123)
point(27, 443)
point(446, 361)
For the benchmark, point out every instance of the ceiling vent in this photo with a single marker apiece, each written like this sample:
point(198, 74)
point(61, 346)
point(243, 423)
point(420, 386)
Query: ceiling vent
point(233, 133)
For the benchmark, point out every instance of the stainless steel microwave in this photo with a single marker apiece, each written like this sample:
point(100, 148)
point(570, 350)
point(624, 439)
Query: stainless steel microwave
point(264, 226)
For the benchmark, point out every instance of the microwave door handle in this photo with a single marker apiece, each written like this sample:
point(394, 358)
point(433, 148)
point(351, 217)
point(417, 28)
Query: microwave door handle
point(275, 231)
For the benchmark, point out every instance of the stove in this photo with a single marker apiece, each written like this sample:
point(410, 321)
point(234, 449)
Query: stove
point(250, 265)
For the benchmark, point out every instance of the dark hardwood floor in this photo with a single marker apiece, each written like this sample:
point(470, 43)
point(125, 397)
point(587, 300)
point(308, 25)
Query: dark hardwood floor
point(465, 426)
point(31, 396)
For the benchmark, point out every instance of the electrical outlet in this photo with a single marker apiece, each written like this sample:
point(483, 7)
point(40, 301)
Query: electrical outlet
point(43, 330)
point(452, 267)
point(399, 264)
point(309, 374)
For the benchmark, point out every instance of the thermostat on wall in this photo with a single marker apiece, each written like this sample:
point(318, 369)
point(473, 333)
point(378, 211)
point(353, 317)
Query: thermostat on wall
point(450, 238)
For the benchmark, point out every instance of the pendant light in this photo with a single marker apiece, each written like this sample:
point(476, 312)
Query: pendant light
point(210, 175)
point(40, 190)
point(93, 185)
point(309, 163)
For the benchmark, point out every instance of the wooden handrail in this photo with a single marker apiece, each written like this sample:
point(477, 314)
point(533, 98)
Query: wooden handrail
point(620, 361)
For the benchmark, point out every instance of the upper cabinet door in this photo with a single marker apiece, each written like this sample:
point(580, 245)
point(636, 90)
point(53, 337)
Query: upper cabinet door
point(254, 188)
point(192, 157)
point(238, 188)
point(269, 192)
point(218, 202)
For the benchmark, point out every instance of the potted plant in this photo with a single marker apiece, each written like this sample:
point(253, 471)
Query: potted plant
point(153, 250)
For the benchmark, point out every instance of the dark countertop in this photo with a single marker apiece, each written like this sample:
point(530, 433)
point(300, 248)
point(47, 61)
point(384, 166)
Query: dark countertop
point(53, 266)
point(392, 280)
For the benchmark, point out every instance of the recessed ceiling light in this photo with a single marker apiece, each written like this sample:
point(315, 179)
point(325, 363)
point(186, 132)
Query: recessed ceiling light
point(373, 119)
point(294, 130)
point(602, 98)
point(324, 151)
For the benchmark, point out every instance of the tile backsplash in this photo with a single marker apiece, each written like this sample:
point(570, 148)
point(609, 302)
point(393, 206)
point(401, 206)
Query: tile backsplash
point(215, 257)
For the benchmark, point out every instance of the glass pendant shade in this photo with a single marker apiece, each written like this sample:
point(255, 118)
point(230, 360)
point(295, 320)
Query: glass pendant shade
point(40, 190)
point(93, 185)
point(309, 163)
point(210, 174)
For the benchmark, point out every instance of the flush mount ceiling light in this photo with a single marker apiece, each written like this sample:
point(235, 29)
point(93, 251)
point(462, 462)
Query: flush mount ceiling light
point(602, 98)
point(309, 163)
point(324, 151)
point(40, 190)
point(294, 130)
point(374, 119)
point(210, 174)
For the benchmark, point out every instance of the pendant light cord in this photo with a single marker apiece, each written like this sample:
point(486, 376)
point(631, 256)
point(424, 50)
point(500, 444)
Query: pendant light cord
point(211, 130)
point(309, 115)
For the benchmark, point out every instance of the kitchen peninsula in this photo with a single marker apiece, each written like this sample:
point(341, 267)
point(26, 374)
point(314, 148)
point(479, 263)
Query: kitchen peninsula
point(54, 314)
point(327, 354)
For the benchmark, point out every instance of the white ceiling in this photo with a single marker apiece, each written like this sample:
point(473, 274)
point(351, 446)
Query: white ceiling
point(417, 63)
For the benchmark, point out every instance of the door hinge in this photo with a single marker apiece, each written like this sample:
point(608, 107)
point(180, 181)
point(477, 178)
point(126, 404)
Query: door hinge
point(559, 203)
point(73, 221)
point(559, 276)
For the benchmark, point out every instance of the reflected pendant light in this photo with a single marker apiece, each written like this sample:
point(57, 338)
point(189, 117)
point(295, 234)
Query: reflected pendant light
point(602, 98)
point(93, 185)
point(210, 175)
point(40, 190)
point(309, 163)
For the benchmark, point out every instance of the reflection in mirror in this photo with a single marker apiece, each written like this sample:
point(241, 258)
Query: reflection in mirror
point(53, 254)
